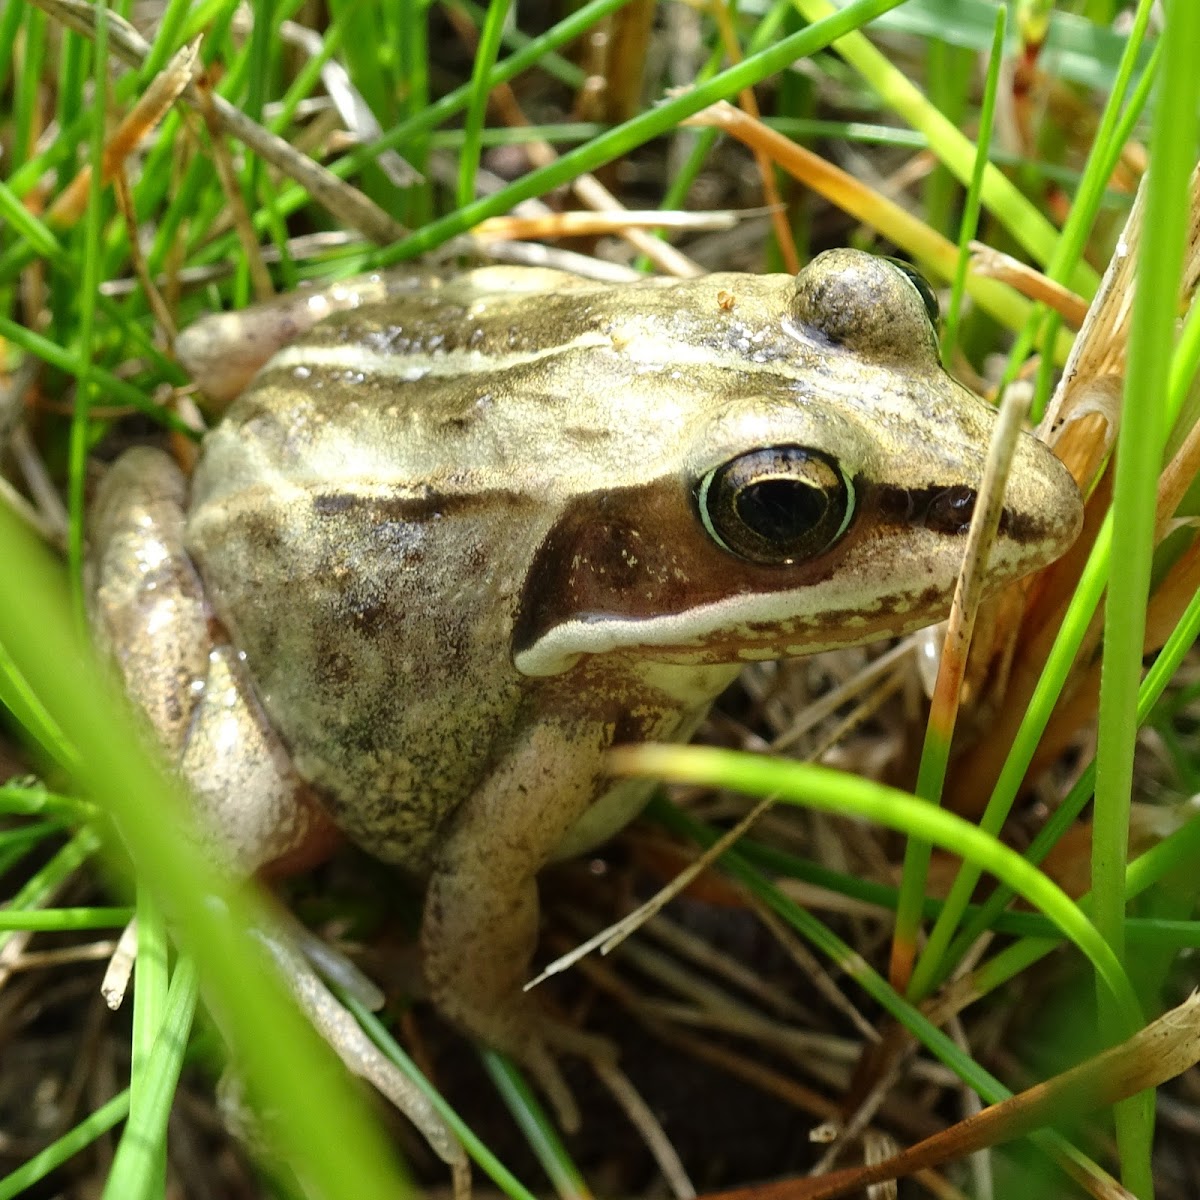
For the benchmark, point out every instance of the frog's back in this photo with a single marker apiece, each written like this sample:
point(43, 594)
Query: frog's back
point(365, 518)
point(459, 387)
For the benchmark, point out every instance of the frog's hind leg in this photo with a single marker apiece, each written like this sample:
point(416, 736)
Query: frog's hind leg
point(149, 613)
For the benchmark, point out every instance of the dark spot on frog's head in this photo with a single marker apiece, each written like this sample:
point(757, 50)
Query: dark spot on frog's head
point(1026, 528)
point(620, 556)
point(426, 505)
point(630, 728)
point(263, 534)
point(475, 558)
point(895, 504)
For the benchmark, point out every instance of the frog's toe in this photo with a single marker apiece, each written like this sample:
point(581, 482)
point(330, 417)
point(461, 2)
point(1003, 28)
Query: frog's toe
point(566, 1039)
point(540, 1062)
point(365, 1059)
point(251, 1127)
point(331, 964)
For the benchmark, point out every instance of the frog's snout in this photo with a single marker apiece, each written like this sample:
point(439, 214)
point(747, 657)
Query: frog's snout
point(1043, 510)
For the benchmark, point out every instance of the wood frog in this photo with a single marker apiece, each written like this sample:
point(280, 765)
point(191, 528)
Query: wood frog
point(453, 543)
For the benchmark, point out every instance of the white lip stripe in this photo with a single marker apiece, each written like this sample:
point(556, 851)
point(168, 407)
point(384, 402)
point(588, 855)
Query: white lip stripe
point(639, 348)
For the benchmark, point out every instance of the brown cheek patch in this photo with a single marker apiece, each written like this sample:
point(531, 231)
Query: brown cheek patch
point(636, 554)
point(633, 554)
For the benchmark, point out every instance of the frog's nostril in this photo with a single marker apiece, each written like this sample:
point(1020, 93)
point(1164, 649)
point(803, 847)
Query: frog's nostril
point(950, 511)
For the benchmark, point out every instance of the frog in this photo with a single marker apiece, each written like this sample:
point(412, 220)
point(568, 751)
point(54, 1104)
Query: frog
point(457, 537)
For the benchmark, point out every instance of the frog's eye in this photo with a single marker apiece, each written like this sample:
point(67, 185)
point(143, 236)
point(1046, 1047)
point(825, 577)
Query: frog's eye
point(867, 305)
point(927, 294)
point(776, 506)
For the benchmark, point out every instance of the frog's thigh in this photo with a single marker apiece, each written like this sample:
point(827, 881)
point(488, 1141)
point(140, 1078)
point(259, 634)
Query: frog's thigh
point(255, 808)
point(481, 908)
point(147, 602)
point(150, 614)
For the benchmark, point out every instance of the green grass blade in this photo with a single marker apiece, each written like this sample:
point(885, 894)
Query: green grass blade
point(831, 791)
point(1169, 659)
point(485, 59)
point(932, 961)
point(499, 1174)
point(138, 1170)
point(640, 129)
point(151, 1013)
point(537, 1127)
point(935, 753)
point(60, 920)
point(1007, 205)
point(411, 130)
point(35, 1169)
point(46, 881)
point(1139, 455)
point(974, 197)
point(341, 1153)
point(846, 959)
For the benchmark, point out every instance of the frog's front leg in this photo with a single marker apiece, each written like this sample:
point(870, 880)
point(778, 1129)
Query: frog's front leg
point(150, 614)
point(480, 923)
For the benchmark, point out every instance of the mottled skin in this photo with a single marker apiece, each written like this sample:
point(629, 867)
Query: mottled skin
point(456, 536)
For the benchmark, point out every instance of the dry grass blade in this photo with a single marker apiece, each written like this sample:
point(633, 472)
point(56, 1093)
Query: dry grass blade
point(839, 187)
point(594, 224)
point(1029, 282)
point(87, 952)
point(238, 213)
point(128, 210)
point(608, 939)
point(1100, 348)
point(354, 111)
point(626, 59)
point(952, 670)
point(762, 160)
point(141, 120)
point(1081, 424)
point(1165, 1048)
point(589, 190)
point(742, 1021)
point(120, 967)
point(810, 964)
point(642, 1117)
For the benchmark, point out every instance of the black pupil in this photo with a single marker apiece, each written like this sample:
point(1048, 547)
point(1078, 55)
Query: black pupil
point(781, 510)
point(777, 505)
